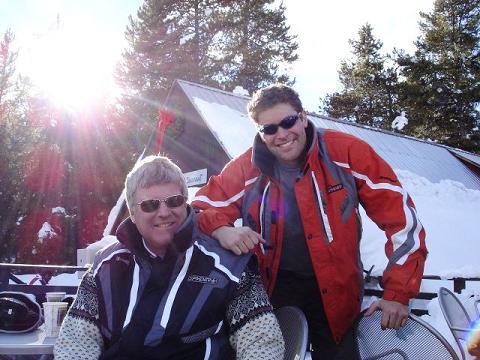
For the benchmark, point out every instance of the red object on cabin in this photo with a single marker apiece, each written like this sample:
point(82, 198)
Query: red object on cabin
point(165, 118)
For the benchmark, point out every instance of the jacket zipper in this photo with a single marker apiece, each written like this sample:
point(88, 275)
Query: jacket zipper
point(262, 218)
point(326, 224)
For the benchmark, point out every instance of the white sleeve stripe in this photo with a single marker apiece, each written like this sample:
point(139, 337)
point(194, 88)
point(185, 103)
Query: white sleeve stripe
point(173, 292)
point(416, 238)
point(345, 165)
point(133, 294)
point(375, 186)
point(216, 260)
point(251, 181)
point(120, 251)
point(219, 203)
point(262, 207)
point(227, 202)
point(402, 236)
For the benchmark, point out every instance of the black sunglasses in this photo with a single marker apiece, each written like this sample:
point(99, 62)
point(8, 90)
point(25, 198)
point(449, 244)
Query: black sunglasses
point(152, 205)
point(286, 123)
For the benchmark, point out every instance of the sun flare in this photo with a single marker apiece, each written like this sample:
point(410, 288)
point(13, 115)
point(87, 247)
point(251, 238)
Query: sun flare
point(73, 66)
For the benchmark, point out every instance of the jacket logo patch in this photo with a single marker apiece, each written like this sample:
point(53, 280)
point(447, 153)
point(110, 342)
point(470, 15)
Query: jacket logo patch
point(202, 279)
point(333, 188)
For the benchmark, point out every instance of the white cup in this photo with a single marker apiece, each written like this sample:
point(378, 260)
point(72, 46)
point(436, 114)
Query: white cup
point(53, 312)
point(55, 296)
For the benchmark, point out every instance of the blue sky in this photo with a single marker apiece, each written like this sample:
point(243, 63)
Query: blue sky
point(323, 29)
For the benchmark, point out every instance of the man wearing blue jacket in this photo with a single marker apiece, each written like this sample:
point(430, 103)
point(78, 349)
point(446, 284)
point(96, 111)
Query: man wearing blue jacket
point(165, 290)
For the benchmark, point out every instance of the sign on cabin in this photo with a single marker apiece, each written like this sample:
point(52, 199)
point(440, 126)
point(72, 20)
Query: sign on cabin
point(197, 177)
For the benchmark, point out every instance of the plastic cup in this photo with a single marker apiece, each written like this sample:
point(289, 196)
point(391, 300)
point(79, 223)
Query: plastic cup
point(53, 313)
point(55, 296)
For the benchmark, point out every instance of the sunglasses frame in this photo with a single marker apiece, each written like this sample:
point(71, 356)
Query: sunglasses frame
point(160, 201)
point(284, 124)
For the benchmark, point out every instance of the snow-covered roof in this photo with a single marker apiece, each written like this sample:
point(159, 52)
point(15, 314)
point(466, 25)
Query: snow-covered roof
point(428, 159)
point(469, 157)
point(226, 115)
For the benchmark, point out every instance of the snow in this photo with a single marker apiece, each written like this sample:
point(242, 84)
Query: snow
point(399, 122)
point(172, 16)
point(228, 125)
point(186, 38)
point(192, 190)
point(71, 279)
point(437, 320)
point(59, 210)
point(45, 231)
point(112, 216)
point(103, 242)
point(239, 90)
point(114, 213)
point(64, 279)
point(449, 212)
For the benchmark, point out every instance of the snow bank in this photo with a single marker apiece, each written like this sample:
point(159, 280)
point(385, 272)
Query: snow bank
point(449, 213)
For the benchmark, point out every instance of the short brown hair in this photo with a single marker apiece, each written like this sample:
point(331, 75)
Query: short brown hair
point(270, 96)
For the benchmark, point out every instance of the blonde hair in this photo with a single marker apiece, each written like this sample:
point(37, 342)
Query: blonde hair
point(153, 170)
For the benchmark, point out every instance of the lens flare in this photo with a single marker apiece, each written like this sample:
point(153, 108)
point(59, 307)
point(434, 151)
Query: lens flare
point(72, 65)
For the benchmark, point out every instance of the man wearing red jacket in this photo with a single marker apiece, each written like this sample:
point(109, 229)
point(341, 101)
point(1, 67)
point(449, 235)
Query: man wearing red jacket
point(297, 191)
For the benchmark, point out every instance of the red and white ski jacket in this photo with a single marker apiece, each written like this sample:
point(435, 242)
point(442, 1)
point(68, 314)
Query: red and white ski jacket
point(340, 172)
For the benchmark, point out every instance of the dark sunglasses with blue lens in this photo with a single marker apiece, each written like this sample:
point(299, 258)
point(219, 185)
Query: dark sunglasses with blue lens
point(171, 202)
point(286, 123)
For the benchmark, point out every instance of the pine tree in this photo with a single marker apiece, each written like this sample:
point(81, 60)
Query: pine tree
point(217, 43)
point(369, 94)
point(16, 139)
point(442, 89)
point(257, 46)
point(8, 59)
point(167, 40)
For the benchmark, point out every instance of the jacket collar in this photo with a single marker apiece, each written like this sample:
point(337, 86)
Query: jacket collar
point(128, 234)
point(265, 160)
